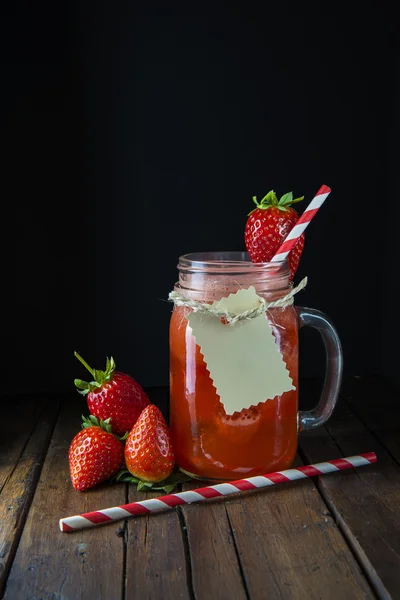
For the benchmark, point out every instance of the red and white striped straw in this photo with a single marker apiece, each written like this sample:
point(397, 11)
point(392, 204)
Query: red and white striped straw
point(125, 511)
point(293, 236)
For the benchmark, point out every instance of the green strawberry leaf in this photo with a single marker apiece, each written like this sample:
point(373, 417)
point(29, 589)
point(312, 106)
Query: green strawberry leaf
point(270, 199)
point(106, 425)
point(93, 421)
point(107, 364)
point(297, 200)
point(100, 377)
point(122, 472)
point(83, 386)
point(125, 476)
point(286, 199)
point(128, 479)
point(168, 485)
point(85, 422)
point(167, 488)
point(110, 368)
point(142, 484)
point(88, 386)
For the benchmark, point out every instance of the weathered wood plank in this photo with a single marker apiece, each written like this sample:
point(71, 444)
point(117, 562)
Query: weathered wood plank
point(51, 564)
point(214, 562)
point(156, 566)
point(365, 502)
point(280, 543)
point(19, 485)
point(19, 416)
point(290, 547)
point(377, 405)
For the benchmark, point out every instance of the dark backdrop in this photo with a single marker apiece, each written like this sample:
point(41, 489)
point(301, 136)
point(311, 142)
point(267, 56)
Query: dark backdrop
point(136, 132)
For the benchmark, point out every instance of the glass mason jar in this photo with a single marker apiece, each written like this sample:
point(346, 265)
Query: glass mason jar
point(208, 443)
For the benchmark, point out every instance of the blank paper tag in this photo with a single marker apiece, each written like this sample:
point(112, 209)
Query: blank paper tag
point(243, 359)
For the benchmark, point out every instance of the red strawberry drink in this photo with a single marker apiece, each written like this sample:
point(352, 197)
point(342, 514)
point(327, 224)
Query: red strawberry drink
point(209, 443)
point(256, 439)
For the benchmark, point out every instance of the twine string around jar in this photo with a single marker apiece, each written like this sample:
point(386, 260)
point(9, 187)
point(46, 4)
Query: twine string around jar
point(208, 309)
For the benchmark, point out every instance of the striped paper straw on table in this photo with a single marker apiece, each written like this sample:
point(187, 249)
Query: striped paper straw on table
point(125, 511)
point(293, 236)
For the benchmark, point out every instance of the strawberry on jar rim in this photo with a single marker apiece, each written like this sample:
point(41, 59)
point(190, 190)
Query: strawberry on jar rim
point(113, 395)
point(267, 227)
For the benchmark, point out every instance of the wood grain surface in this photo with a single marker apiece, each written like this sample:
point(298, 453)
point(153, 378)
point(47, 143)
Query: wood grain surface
point(335, 536)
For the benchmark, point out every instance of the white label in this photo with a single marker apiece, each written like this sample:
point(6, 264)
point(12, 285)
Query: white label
point(243, 359)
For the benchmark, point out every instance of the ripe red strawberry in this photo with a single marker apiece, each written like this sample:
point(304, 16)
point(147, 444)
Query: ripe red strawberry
point(113, 395)
point(95, 454)
point(149, 455)
point(268, 225)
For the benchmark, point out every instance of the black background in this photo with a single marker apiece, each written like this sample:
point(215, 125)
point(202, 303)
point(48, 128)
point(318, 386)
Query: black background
point(136, 132)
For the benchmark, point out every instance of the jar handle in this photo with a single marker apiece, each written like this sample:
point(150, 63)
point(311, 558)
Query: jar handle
point(309, 419)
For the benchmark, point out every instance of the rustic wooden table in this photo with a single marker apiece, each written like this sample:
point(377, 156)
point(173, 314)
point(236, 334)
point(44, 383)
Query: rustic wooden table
point(337, 536)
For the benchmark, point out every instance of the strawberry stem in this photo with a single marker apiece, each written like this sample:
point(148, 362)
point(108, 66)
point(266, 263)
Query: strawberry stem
point(99, 377)
point(91, 371)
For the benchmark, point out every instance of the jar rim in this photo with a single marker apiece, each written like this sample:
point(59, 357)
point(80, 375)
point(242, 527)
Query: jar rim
point(230, 262)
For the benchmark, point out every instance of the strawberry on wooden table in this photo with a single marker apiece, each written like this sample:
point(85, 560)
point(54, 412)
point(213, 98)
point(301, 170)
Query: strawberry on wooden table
point(95, 454)
point(113, 395)
point(149, 455)
point(267, 227)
